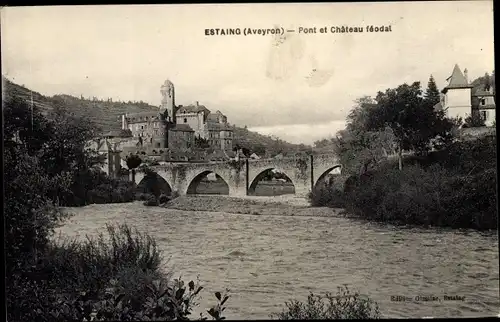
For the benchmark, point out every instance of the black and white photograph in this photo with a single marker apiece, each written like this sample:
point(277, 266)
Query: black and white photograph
point(253, 161)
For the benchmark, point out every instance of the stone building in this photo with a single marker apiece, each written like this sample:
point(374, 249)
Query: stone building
point(175, 127)
point(483, 103)
point(458, 100)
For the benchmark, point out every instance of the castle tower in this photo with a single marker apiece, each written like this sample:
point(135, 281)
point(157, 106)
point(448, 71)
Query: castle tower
point(458, 95)
point(167, 91)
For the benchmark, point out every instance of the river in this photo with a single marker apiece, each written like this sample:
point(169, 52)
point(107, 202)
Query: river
point(265, 260)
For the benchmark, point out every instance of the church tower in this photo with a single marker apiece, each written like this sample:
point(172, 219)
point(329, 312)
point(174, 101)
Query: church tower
point(167, 91)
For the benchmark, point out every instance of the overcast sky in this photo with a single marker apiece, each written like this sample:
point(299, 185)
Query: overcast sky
point(300, 90)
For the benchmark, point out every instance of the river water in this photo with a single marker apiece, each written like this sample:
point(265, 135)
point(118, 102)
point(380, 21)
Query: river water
point(267, 260)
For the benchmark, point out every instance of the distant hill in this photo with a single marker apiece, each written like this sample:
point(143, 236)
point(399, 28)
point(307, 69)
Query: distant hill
point(106, 116)
point(262, 144)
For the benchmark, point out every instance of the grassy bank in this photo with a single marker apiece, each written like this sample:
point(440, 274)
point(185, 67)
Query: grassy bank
point(453, 188)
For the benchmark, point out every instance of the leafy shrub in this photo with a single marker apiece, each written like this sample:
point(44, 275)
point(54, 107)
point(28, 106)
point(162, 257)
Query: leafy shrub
point(111, 191)
point(113, 278)
point(342, 306)
point(436, 197)
point(326, 195)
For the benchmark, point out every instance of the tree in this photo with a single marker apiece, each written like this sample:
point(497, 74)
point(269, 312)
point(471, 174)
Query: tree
point(28, 191)
point(133, 161)
point(432, 96)
point(358, 117)
point(66, 150)
point(259, 149)
point(415, 124)
point(474, 120)
point(246, 152)
point(362, 150)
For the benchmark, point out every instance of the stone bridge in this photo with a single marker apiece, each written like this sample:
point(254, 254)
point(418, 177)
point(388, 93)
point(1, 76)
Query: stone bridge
point(242, 176)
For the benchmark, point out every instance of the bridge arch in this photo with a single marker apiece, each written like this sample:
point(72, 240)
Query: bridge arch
point(253, 182)
point(221, 187)
point(152, 182)
point(327, 172)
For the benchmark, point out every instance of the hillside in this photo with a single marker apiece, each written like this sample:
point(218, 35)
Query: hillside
point(262, 144)
point(106, 116)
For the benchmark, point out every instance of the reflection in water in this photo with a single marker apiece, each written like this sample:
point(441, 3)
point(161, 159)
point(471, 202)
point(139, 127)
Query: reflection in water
point(267, 260)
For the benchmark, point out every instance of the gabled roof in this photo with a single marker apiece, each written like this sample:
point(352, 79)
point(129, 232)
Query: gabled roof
point(457, 80)
point(192, 109)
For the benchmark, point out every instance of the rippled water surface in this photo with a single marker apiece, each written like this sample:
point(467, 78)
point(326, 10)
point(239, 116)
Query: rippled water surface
point(267, 260)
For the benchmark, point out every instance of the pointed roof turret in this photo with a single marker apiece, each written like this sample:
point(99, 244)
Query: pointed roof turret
point(457, 80)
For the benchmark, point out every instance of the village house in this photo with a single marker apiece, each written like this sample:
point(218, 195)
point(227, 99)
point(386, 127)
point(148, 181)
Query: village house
point(459, 100)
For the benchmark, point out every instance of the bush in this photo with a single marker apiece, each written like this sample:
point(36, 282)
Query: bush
point(113, 278)
point(111, 191)
point(436, 197)
point(325, 195)
point(64, 270)
point(342, 306)
point(455, 188)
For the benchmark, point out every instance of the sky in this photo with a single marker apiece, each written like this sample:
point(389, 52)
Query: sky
point(298, 87)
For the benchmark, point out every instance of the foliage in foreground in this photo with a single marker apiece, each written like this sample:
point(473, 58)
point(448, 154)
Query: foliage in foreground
point(344, 305)
point(101, 279)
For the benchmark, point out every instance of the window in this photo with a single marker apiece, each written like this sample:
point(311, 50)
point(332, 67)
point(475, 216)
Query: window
point(142, 127)
point(483, 101)
point(484, 115)
point(157, 144)
point(185, 120)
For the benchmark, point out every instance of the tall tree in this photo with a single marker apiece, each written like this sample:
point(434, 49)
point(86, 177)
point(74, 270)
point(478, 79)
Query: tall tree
point(414, 123)
point(431, 95)
point(358, 117)
point(362, 150)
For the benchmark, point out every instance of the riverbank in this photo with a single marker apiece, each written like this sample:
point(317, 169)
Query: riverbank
point(285, 205)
